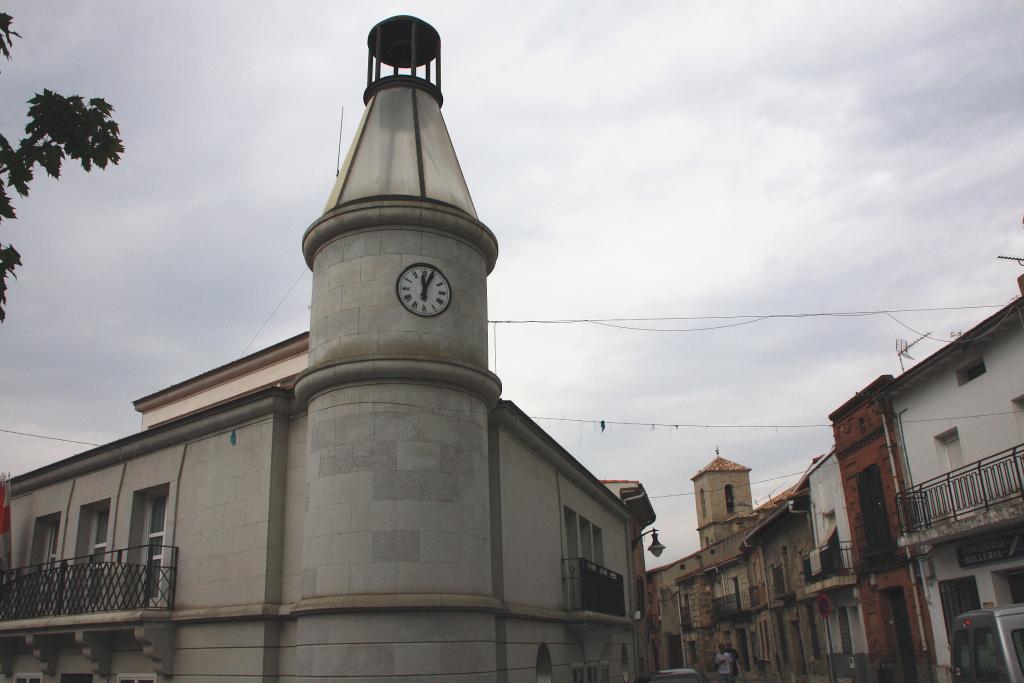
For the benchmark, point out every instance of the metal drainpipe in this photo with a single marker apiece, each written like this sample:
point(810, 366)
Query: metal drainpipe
point(913, 579)
point(641, 628)
point(772, 635)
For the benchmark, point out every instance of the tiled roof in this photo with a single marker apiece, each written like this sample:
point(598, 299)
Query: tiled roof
point(720, 464)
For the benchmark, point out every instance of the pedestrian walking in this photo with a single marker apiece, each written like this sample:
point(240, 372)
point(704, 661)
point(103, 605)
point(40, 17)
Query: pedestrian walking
point(723, 664)
point(735, 659)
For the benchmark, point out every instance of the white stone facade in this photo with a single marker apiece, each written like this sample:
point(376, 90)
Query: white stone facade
point(958, 416)
point(353, 506)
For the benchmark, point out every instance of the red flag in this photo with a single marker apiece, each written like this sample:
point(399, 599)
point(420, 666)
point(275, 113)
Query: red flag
point(5, 523)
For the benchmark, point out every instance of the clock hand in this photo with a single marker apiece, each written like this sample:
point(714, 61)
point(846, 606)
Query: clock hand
point(426, 283)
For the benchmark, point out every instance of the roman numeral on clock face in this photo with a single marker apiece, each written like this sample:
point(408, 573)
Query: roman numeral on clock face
point(423, 290)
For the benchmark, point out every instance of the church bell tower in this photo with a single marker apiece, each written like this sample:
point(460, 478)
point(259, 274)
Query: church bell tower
point(396, 547)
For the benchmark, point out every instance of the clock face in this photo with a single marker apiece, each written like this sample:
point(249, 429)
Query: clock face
point(424, 290)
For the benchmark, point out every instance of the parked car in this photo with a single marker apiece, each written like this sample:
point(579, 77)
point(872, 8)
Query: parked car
point(988, 644)
point(675, 676)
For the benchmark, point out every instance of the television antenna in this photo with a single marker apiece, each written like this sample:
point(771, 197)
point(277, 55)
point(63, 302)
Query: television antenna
point(902, 346)
point(341, 127)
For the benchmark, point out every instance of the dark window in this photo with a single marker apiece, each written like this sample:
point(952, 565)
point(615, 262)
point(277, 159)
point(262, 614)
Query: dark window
point(812, 626)
point(1018, 646)
point(872, 510)
point(985, 654)
point(969, 372)
point(730, 503)
point(783, 646)
point(958, 596)
point(845, 637)
point(962, 653)
point(703, 504)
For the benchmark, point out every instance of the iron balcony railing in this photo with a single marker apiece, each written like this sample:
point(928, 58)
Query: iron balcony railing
point(959, 492)
point(727, 606)
point(591, 587)
point(756, 595)
point(875, 552)
point(779, 587)
point(141, 577)
point(834, 559)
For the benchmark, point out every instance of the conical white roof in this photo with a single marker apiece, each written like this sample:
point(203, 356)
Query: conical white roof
point(402, 148)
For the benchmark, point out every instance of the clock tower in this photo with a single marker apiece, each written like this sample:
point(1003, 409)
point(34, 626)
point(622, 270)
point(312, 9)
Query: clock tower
point(396, 550)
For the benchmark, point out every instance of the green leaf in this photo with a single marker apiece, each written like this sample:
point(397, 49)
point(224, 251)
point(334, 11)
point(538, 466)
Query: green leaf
point(5, 36)
point(58, 127)
point(9, 260)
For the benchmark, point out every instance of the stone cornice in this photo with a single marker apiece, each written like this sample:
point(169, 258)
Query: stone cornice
point(403, 602)
point(231, 414)
point(399, 214)
point(384, 369)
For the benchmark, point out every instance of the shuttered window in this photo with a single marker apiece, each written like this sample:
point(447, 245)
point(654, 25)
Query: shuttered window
point(872, 508)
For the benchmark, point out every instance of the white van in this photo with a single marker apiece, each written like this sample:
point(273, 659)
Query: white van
point(988, 645)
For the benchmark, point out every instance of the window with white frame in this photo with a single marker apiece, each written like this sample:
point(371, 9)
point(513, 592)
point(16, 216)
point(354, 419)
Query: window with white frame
point(156, 518)
point(582, 538)
point(93, 527)
point(136, 678)
point(28, 678)
point(100, 522)
point(948, 444)
point(571, 534)
point(586, 539)
point(46, 539)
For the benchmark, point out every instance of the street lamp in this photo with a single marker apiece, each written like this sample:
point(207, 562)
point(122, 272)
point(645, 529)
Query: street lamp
point(656, 548)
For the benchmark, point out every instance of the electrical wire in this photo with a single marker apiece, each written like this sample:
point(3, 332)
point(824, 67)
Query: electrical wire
point(958, 340)
point(762, 481)
point(304, 271)
point(682, 424)
point(745, 319)
point(51, 438)
point(574, 420)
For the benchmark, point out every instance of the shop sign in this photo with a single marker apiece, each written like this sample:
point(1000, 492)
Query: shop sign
point(994, 549)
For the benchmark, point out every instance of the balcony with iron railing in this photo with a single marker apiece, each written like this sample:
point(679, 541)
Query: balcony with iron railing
point(756, 595)
point(728, 606)
point(829, 566)
point(780, 588)
point(875, 552)
point(833, 559)
point(137, 578)
point(592, 588)
point(685, 618)
point(986, 485)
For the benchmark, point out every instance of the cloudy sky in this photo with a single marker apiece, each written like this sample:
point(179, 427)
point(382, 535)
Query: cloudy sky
point(673, 160)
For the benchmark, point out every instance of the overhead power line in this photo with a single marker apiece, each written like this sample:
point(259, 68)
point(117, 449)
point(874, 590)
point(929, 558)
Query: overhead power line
point(762, 481)
point(748, 319)
point(679, 425)
point(596, 423)
point(692, 425)
point(51, 438)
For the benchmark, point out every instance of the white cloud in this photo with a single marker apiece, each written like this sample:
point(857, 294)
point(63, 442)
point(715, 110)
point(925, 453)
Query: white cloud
point(675, 159)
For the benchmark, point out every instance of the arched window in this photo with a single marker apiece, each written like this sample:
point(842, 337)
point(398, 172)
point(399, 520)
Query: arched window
point(730, 503)
point(703, 504)
point(543, 664)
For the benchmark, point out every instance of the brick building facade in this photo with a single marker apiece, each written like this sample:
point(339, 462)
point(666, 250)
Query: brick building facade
point(899, 638)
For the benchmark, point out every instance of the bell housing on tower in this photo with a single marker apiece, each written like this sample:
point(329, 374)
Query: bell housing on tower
point(405, 44)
